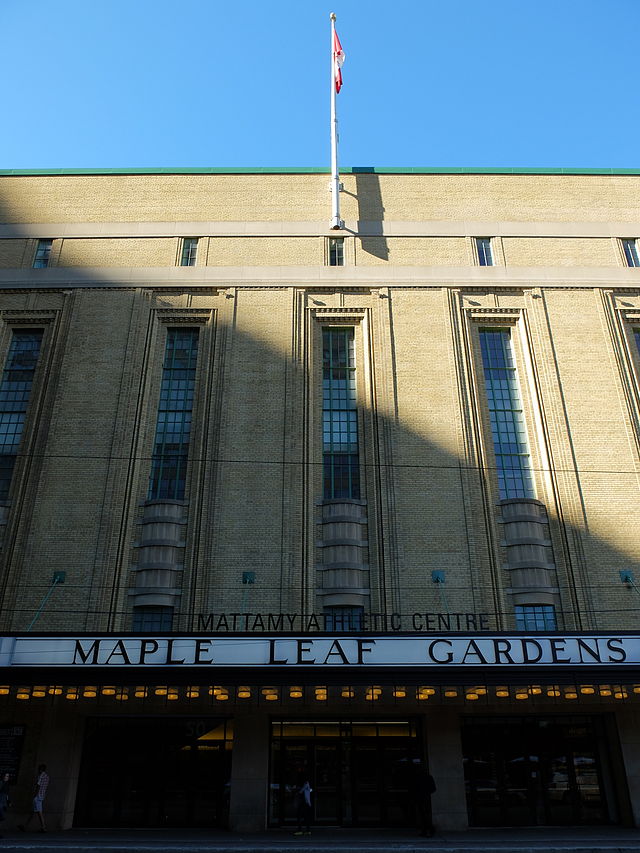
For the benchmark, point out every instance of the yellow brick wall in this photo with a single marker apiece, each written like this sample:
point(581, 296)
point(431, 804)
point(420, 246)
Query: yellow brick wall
point(412, 251)
point(167, 198)
point(13, 253)
point(559, 252)
point(265, 251)
point(121, 252)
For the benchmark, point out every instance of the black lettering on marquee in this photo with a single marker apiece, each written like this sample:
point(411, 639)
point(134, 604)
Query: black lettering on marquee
point(304, 647)
point(557, 646)
point(120, 651)
point(472, 649)
point(147, 647)
point(170, 659)
point(364, 647)
point(84, 656)
point(526, 657)
point(622, 655)
point(202, 646)
point(272, 654)
point(501, 649)
point(583, 646)
point(336, 649)
point(448, 656)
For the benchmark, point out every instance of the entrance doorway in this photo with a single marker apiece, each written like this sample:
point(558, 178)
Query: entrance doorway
point(359, 771)
point(155, 772)
point(525, 771)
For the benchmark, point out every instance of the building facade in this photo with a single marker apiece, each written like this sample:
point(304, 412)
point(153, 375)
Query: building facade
point(279, 500)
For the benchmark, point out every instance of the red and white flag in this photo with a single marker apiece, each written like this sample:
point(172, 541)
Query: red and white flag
point(338, 60)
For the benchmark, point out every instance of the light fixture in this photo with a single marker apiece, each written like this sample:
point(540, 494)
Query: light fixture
point(570, 693)
point(72, 693)
point(321, 694)
point(109, 690)
point(347, 692)
point(244, 692)
point(296, 693)
point(471, 695)
point(122, 695)
point(399, 692)
point(222, 695)
point(450, 692)
point(502, 692)
point(4, 690)
point(23, 693)
point(535, 690)
point(141, 692)
point(620, 692)
point(270, 694)
point(89, 692)
point(55, 690)
point(193, 692)
point(605, 690)
point(587, 689)
point(161, 690)
point(372, 694)
point(522, 693)
point(553, 691)
point(38, 692)
point(172, 694)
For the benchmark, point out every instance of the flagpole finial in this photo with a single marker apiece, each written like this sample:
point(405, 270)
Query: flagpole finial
point(332, 15)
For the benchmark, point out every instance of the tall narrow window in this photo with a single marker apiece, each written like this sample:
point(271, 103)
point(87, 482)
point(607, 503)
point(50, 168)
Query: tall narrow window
point(43, 254)
point(339, 414)
point(336, 251)
point(508, 427)
point(169, 462)
point(485, 251)
point(630, 249)
point(15, 390)
point(189, 252)
point(536, 617)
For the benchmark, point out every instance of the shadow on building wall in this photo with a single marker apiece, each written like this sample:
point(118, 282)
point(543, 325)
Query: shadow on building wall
point(370, 212)
point(416, 533)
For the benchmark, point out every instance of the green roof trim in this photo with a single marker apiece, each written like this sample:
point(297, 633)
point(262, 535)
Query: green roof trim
point(316, 170)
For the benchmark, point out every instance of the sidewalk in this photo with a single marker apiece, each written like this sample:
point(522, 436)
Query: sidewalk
point(527, 840)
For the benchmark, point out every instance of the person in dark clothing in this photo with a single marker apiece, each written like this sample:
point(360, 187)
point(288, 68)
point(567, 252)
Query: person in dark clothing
point(304, 808)
point(4, 796)
point(422, 787)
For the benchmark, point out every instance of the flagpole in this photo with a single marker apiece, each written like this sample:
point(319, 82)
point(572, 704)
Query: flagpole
point(335, 175)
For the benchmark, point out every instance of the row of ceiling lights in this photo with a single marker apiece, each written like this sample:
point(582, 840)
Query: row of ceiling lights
point(321, 693)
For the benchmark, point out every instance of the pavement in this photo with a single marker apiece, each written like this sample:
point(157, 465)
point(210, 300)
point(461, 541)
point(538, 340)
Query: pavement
point(525, 840)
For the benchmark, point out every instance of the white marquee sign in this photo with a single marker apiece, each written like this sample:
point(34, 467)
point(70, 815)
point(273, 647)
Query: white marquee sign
point(309, 651)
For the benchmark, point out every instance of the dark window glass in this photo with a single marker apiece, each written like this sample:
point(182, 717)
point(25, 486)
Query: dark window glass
point(189, 252)
point(43, 254)
point(630, 249)
point(151, 619)
point(536, 617)
point(485, 252)
point(336, 251)
point(339, 414)
point(15, 390)
point(508, 429)
point(173, 427)
point(343, 618)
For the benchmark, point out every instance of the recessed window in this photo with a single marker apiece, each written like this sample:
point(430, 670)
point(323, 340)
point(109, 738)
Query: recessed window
point(485, 251)
point(336, 251)
point(508, 428)
point(189, 252)
point(173, 427)
point(630, 250)
point(152, 619)
point(339, 414)
point(536, 617)
point(15, 390)
point(43, 254)
point(341, 618)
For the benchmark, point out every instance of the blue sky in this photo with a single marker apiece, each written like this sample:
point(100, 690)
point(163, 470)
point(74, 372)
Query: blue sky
point(116, 83)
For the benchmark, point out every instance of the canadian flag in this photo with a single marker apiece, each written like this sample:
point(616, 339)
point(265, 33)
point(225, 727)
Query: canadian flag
point(338, 59)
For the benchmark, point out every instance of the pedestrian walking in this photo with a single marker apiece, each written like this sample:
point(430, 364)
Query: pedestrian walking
point(305, 811)
point(40, 792)
point(4, 796)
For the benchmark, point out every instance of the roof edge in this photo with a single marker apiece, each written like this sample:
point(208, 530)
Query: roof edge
point(316, 170)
